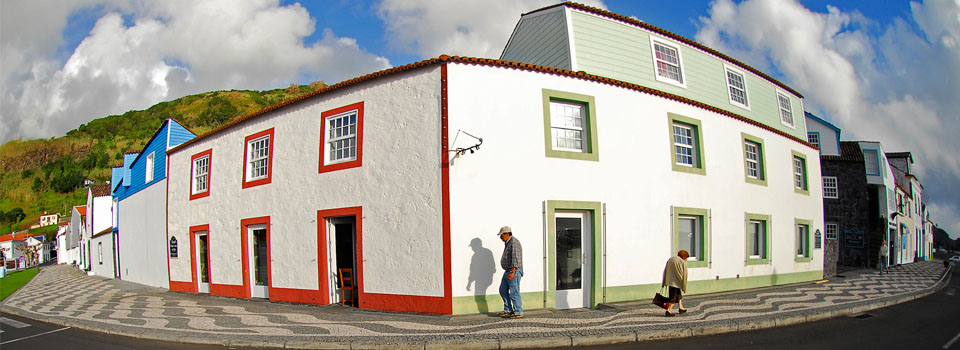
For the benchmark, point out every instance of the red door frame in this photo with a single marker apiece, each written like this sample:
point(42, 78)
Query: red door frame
point(193, 255)
point(245, 257)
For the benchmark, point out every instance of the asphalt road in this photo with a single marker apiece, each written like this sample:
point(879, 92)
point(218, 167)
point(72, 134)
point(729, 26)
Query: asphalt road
point(926, 323)
point(23, 333)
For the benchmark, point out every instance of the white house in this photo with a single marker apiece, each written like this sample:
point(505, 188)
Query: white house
point(99, 217)
point(10, 245)
point(49, 219)
point(404, 176)
point(102, 249)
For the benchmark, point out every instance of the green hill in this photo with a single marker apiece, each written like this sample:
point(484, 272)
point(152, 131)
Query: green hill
point(47, 175)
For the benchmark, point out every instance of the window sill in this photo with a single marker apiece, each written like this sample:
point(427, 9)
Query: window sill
point(697, 264)
point(588, 156)
point(803, 260)
point(758, 182)
point(803, 192)
point(757, 261)
point(689, 170)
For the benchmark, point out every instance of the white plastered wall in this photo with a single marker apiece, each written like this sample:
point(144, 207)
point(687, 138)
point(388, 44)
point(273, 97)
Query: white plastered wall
point(509, 178)
point(143, 236)
point(398, 187)
point(102, 255)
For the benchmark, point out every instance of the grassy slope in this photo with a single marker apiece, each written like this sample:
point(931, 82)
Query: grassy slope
point(22, 162)
point(14, 281)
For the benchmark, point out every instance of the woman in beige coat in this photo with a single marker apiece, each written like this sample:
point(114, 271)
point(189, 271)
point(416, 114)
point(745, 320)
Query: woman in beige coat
point(675, 278)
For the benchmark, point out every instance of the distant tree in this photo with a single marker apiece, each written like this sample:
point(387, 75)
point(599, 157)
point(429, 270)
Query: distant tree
point(37, 185)
point(26, 173)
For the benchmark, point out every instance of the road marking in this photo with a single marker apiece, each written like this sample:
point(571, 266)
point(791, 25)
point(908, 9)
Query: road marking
point(13, 323)
point(35, 335)
point(947, 345)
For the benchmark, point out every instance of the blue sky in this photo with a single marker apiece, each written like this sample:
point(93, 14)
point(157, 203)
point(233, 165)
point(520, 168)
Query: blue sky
point(879, 70)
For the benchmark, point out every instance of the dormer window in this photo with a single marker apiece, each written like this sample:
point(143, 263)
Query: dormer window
point(737, 87)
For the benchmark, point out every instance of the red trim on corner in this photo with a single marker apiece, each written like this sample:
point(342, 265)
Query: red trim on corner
point(446, 303)
point(193, 254)
point(322, 267)
point(245, 260)
point(322, 216)
point(407, 303)
point(208, 153)
point(246, 148)
point(166, 213)
point(323, 137)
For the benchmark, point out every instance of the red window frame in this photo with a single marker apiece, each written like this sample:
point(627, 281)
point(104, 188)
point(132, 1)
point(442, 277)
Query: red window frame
point(246, 150)
point(322, 167)
point(209, 154)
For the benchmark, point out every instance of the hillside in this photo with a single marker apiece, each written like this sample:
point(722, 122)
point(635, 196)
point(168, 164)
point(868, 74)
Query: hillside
point(47, 174)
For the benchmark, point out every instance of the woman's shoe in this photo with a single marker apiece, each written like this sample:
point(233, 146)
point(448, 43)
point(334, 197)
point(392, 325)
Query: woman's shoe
point(683, 311)
point(668, 314)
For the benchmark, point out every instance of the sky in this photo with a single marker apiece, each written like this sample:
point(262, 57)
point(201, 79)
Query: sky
point(885, 71)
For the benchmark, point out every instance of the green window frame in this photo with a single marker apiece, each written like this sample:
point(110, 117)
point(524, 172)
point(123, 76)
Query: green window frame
point(699, 165)
point(595, 284)
point(801, 239)
point(761, 166)
point(764, 221)
point(591, 151)
point(702, 217)
point(800, 170)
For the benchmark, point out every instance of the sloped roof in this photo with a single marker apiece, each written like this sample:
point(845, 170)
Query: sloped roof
point(100, 190)
point(849, 152)
point(82, 209)
point(101, 233)
point(14, 237)
point(666, 33)
point(493, 63)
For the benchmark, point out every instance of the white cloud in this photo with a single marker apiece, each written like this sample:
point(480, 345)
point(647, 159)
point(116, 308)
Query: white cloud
point(466, 28)
point(172, 48)
point(890, 84)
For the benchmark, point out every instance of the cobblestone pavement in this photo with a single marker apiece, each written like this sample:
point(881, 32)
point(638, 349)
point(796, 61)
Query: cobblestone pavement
point(64, 295)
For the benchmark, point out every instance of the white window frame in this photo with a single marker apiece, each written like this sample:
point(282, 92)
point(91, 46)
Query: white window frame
point(558, 125)
point(802, 240)
point(758, 238)
point(875, 162)
point(799, 173)
point(788, 109)
point(813, 138)
point(330, 140)
point(754, 162)
point(727, 70)
point(252, 158)
point(831, 231)
point(692, 146)
point(149, 168)
point(831, 188)
point(100, 252)
point(199, 177)
point(696, 251)
point(654, 41)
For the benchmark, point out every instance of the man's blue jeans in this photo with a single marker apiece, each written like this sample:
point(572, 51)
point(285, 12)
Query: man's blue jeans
point(510, 292)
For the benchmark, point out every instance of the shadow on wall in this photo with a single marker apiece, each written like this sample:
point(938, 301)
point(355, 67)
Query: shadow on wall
point(482, 269)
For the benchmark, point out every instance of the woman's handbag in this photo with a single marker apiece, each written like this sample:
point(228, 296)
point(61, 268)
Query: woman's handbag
point(659, 300)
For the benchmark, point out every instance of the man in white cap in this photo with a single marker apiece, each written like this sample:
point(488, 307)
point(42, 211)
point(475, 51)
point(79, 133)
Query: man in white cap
point(512, 263)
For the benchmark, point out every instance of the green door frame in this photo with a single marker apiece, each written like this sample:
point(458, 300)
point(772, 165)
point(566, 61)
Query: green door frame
point(595, 286)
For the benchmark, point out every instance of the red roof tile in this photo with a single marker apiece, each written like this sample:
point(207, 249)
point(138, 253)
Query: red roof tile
point(82, 209)
point(16, 237)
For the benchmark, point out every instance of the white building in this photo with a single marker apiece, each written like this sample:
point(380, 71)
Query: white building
point(602, 180)
point(99, 217)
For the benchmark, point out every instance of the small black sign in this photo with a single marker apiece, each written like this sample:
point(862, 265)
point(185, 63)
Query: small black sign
point(816, 240)
point(173, 247)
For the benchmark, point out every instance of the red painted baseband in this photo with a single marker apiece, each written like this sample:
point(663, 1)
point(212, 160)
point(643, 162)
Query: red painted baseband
point(406, 303)
point(228, 290)
point(177, 286)
point(303, 296)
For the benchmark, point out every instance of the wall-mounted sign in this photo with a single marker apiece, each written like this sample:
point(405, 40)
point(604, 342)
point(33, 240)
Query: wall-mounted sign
point(816, 239)
point(853, 238)
point(173, 247)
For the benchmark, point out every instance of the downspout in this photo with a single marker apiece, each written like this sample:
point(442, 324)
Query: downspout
point(546, 285)
point(603, 244)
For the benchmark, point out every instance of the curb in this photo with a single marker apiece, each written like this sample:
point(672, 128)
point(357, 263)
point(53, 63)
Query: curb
point(728, 326)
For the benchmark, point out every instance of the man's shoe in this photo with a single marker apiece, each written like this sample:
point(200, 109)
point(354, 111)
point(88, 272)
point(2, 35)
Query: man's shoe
point(517, 316)
point(505, 314)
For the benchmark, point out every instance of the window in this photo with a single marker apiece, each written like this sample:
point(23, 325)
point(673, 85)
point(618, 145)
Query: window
point(757, 239)
point(786, 112)
point(800, 173)
point(802, 240)
point(737, 87)
point(871, 159)
point(690, 230)
point(686, 144)
point(753, 160)
point(832, 231)
point(830, 187)
point(666, 62)
point(814, 138)
point(341, 133)
point(570, 126)
point(200, 174)
point(258, 158)
point(100, 252)
point(149, 169)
